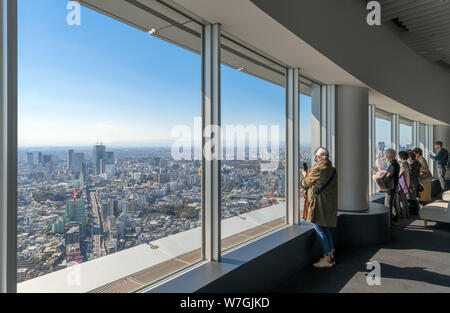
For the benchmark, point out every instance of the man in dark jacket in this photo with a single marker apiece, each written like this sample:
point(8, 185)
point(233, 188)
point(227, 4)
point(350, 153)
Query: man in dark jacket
point(441, 159)
point(414, 166)
point(391, 199)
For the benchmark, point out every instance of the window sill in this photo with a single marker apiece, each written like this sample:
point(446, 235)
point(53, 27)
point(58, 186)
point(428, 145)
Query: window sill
point(214, 276)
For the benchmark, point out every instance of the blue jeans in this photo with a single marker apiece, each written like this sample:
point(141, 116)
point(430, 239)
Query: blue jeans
point(325, 238)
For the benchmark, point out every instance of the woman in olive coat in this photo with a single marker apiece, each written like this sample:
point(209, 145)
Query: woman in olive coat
point(321, 185)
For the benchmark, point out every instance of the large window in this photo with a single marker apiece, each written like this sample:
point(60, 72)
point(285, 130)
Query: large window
point(311, 117)
point(406, 134)
point(308, 120)
point(253, 170)
point(100, 106)
point(383, 138)
point(422, 136)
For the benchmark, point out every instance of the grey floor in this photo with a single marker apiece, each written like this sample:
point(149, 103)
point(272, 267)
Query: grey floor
point(417, 259)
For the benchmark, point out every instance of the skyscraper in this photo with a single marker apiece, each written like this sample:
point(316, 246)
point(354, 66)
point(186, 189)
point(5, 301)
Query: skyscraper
point(77, 161)
point(75, 212)
point(69, 159)
point(30, 158)
point(99, 154)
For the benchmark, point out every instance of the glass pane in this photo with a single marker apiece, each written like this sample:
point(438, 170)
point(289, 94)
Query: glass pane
point(253, 171)
point(310, 110)
point(100, 194)
point(383, 138)
point(406, 134)
point(422, 136)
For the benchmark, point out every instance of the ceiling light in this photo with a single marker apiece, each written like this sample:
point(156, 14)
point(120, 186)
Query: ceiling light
point(241, 69)
point(152, 31)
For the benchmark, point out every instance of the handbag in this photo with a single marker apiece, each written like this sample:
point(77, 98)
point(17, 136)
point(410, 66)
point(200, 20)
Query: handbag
point(305, 205)
point(420, 188)
point(402, 185)
point(426, 178)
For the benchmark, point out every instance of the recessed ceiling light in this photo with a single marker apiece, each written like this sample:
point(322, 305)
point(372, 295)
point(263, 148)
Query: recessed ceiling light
point(241, 69)
point(152, 31)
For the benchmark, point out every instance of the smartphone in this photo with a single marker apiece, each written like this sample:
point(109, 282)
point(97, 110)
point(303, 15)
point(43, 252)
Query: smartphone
point(305, 166)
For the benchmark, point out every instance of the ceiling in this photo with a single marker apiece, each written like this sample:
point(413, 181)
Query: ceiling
point(424, 25)
point(284, 47)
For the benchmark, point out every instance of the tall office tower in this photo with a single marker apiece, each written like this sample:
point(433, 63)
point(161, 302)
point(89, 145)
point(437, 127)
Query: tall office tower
point(163, 163)
point(83, 171)
point(111, 210)
point(69, 159)
point(109, 171)
point(156, 161)
point(30, 158)
point(109, 158)
point(99, 154)
point(75, 212)
point(77, 161)
point(37, 158)
point(48, 162)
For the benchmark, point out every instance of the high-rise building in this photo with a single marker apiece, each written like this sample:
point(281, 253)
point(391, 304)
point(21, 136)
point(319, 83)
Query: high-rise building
point(30, 158)
point(109, 157)
point(77, 161)
point(34, 158)
point(75, 212)
point(99, 154)
point(69, 159)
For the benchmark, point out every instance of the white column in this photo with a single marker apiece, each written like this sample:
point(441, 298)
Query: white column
point(323, 119)
point(415, 136)
point(395, 132)
point(372, 147)
point(430, 147)
point(352, 148)
point(318, 109)
point(330, 122)
point(8, 141)
point(211, 123)
point(292, 146)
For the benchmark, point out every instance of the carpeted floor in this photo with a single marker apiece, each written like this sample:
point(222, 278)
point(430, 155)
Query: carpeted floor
point(417, 259)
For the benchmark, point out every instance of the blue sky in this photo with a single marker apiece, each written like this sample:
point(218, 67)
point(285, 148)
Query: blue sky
point(383, 133)
point(107, 80)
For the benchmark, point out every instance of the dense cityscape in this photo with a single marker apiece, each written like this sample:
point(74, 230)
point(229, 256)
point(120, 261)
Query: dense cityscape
point(75, 205)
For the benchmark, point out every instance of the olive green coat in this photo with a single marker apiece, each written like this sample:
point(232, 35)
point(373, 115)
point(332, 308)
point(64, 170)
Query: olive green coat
point(323, 209)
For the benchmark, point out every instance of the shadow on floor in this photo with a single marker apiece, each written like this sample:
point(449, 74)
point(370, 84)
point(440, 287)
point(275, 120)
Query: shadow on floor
point(413, 250)
point(418, 274)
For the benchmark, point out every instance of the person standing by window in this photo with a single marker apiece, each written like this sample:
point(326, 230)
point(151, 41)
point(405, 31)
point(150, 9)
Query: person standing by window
point(441, 159)
point(391, 199)
point(414, 167)
point(425, 176)
point(404, 183)
point(321, 185)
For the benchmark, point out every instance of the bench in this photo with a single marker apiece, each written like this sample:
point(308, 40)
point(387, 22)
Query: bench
point(446, 195)
point(437, 211)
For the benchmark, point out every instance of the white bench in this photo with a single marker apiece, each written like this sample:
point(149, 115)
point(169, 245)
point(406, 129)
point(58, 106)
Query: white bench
point(446, 195)
point(438, 211)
